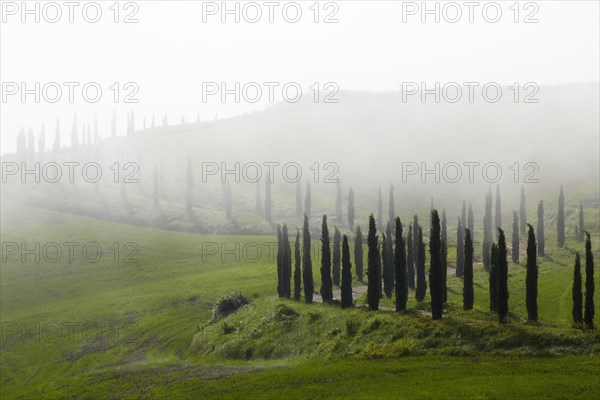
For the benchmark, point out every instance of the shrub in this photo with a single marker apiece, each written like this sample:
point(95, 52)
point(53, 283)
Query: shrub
point(228, 304)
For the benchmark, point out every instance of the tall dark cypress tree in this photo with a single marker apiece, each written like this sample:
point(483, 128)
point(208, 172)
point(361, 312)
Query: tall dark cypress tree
point(379, 207)
point(421, 283)
point(346, 292)
point(307, 276)
point(392, 213)
point(326, 287)
point(540, 229)
point(436, 283)
point(416, 228)
point(444, 257)
point(388, 261)
point(463, 215)
point(401, 284)
point(581, 227)
point(373, 272)
point(286, 263)
point(532, 277)
point(358, 254)
point(460, 249)
point(588, 316)
point(307, 201)
point(279, 263)
point(515, 237)
point(487, 231)
point(299, 201)
point(410, 267)
point(498, 214)
point(522, 213)
point(338, 202)
point(297, 267)
point(577, 293)
point(560, 219)
point(268, 217)
point(502, 278)
point(493, 278)
point(471, 222)
point(387, 290)
point(468, 293)
point(337, 238)
point(351, 209)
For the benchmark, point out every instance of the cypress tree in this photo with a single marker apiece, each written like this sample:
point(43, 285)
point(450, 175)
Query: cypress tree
point(493, 278)
point(401, 284)
point(379, 208)
point(351, 208)
point(468, 293)
point(410, 268)
point(388, 261)
point(338, 202)
point(487, 231)
point(297, 267)
point(463, 215)
point(471, 222)
point(502, 278)
point(358, 254)
point(416, 228)
point(522, 213)
point(387, 290)
point(444, 257)
point(337, 238)
point(373, 272)
point(346, 292)
point(581, 227)
point(540, 229)
point(588, 316)
point(326, 287)
point(307, 201)
point(436, 283)
point(577, 293)
point(258, 201)
point(279, 263)
point(307, 263)
point(460, 249)
point(532, 277)
point(560, 219)
point(286, 263)
point(498, 214)
point(268, 217)
point(515, 237)
point(392, 213)
point(421, 283)
point(299, 201)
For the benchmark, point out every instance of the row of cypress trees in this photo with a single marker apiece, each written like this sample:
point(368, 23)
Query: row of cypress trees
point(399, 254)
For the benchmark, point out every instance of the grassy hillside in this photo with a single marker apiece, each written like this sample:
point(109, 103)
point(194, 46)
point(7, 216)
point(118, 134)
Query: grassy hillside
point(139, 329)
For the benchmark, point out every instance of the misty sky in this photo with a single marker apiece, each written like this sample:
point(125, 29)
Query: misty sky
point(170, 52)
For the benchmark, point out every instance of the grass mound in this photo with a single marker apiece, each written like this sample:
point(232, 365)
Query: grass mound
point(274, 329)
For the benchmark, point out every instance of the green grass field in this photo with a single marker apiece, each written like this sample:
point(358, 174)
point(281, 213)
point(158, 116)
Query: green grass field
point(139, 329)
